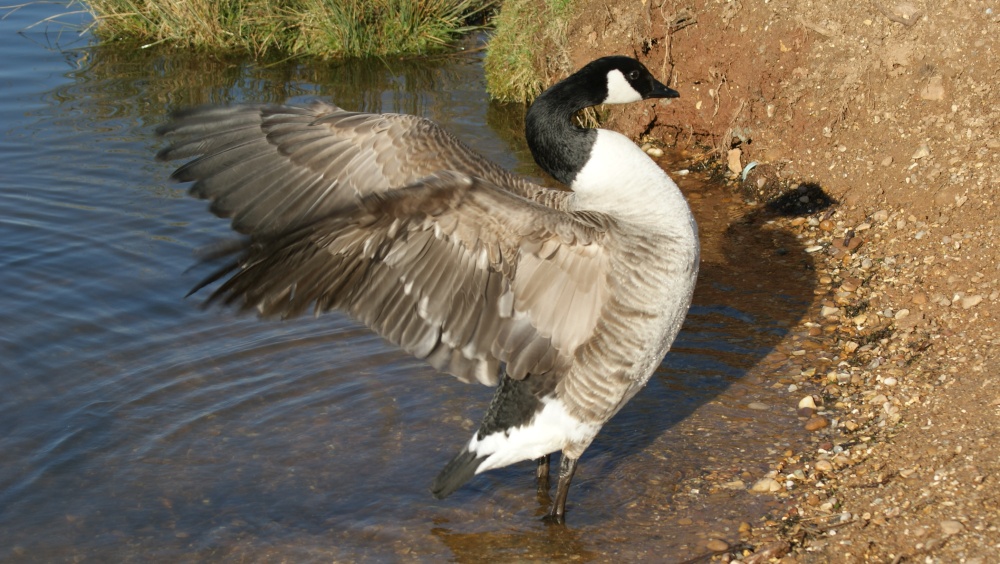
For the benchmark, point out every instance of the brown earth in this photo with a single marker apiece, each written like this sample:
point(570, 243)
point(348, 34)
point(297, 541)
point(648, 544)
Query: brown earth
point(891, 108)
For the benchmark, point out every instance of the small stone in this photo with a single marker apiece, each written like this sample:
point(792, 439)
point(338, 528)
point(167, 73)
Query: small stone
point(934, 89)
point(847, 245)
point(807, 401)
point(758, 406)
point(733, 161)
point(823, 466)
point(745, 527)
point(816, 423)
point(901, 314)
point(921, 152)
point(826, 225)
point(828, 311)
point(654, 152)
point(881, 215)
point(890, 381)
point(919, 299)
point(717, 545)
point(887, 161)
point(685, 521)
point(969, 302)
point(766, 485)
point(950, 527)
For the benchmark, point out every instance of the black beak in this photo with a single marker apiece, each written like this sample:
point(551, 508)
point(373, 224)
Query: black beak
point(660, 90)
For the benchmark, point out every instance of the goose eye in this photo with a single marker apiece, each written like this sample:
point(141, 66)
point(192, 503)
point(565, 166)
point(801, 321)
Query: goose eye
point(633, 75)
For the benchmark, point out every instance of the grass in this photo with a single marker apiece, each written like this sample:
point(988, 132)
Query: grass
point(327, 29)
point(528, 46)
point(526, 53)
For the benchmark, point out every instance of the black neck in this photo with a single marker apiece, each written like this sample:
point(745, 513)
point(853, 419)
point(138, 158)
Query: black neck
point(558, 145)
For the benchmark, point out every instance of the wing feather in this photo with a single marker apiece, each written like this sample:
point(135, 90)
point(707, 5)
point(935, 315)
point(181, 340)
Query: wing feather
point(451, 268)
point(320, 157)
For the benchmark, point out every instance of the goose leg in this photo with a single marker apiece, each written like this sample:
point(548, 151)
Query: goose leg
point(542, 474)
point(567, 467)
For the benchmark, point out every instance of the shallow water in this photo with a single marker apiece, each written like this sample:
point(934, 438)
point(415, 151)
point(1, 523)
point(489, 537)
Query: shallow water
point(136, 425)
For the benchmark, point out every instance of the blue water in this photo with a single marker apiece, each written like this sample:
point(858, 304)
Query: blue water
point(135, 425)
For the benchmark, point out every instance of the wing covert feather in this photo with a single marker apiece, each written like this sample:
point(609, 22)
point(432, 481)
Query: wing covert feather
point(451, 268)
point(273, 168)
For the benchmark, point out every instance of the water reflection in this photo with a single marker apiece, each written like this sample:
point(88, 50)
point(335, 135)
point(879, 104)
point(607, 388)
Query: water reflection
point(137, 425)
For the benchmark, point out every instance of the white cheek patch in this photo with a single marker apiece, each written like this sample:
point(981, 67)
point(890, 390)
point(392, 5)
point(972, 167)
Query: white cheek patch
point(619, 90)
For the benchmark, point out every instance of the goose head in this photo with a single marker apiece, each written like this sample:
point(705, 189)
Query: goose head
point(563, 148)
point(627, 80)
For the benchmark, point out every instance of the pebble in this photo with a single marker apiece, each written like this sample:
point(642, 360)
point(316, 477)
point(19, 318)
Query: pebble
point(758, 406)
point(904, 12)
point(887, 161)
point(826, 225)
point(685, 521)
point(828, 311)
point(881, 215)
point(901, 314)
point(817, 423)
point(823, 466)
point(733, 160)
point(921, 152)
point(717, 545)
point(890, 381)
point(919, 299)
point(807, 401)
point(654, 152)
point(934, 89)
point(950, 527)
point(766, 485)
point(971, 301)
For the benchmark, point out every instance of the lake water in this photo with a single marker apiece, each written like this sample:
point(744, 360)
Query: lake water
point(135, 425)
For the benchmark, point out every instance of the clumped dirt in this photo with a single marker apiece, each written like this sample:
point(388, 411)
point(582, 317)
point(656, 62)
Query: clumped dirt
point(889, 108)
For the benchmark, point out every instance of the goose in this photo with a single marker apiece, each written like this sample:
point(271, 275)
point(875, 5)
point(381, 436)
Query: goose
point(565, 300)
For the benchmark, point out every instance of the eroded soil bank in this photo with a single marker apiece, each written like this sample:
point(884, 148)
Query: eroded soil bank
point(890, 108)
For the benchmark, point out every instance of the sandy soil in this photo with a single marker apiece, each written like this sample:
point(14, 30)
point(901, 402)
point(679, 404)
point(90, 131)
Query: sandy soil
point(890, 108)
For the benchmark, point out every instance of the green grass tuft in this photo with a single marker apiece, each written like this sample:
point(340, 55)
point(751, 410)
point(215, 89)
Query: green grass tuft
point(326, 29)
point(529, 42)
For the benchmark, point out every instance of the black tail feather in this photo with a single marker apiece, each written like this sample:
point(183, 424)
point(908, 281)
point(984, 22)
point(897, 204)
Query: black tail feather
point(456, 473)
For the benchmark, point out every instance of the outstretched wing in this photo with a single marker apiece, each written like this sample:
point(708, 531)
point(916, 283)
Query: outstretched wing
point(451, 268)
point(273, 167)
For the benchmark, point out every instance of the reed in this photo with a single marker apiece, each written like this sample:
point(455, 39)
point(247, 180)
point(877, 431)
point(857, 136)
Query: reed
point(326, 29)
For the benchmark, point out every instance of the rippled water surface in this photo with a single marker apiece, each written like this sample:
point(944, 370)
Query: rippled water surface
point(136, 425)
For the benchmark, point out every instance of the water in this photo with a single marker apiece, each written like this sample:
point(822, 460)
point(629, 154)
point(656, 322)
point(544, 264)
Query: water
point(135, 425)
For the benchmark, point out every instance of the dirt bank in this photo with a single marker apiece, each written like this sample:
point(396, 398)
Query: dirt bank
point(891, 108)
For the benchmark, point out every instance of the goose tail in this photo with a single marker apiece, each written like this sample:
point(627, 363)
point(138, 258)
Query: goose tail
point(507, 434)
point(456, 473)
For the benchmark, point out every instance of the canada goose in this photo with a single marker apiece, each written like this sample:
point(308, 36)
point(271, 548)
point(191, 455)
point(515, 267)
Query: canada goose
point(566, 301)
